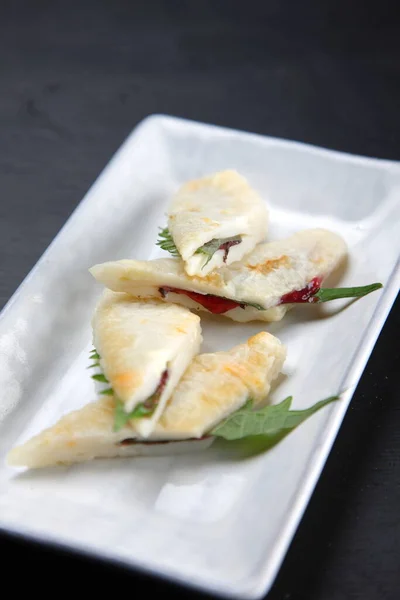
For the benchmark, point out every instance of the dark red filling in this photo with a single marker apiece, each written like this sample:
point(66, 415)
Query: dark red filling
point(154, 399)
point(131, 441)
point(307, 294)
point(215, 304)
point(226, 246)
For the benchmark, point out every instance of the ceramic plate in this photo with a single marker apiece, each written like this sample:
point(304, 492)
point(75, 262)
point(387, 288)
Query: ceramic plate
point(220, 520)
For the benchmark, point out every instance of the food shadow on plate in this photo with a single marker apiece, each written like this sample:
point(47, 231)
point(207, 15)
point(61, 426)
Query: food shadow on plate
point(111, 479)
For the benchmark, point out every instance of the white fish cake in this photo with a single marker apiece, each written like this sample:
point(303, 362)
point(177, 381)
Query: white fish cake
point(142, 344)
point(264, 278)
point(218, 207)
point(214, 386)
point(217, 384)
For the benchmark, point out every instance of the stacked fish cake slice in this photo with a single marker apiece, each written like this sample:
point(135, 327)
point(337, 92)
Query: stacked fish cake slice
point(157, 394)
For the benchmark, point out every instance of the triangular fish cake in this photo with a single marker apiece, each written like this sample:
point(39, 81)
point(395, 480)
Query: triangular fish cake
point(214, 386)
point(216, 220)
point(144, 349)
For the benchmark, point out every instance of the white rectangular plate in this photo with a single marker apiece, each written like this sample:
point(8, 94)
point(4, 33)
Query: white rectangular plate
point(218, 520)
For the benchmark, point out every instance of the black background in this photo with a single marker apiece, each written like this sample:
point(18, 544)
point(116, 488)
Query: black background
point(75, 77)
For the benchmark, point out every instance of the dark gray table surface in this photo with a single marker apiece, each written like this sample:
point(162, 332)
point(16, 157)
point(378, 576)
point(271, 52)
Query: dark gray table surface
point(75, 77)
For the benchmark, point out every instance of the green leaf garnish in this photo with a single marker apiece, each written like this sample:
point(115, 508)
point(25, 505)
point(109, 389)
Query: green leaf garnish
point(121, 417)
point(166, 242)
point(327, 294)
point(100, 377)
point(254, 305)
point(210, 248)
point(273, 419)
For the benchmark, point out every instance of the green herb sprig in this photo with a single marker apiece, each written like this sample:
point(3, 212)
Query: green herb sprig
point(120, 416)
point(328, 294)
point(166, 242)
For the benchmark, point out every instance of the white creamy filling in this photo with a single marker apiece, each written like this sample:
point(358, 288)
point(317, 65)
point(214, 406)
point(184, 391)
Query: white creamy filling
point(152, 374)
point(242, 315)
point(224, 231)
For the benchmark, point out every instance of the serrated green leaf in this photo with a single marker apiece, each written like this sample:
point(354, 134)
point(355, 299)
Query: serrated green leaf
point(273, 419)
point(121, 417)
point(94, 355)
point(100, 377)
point(166, 242)
point(92, 366)
point(327, 294)
point(107, 392)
